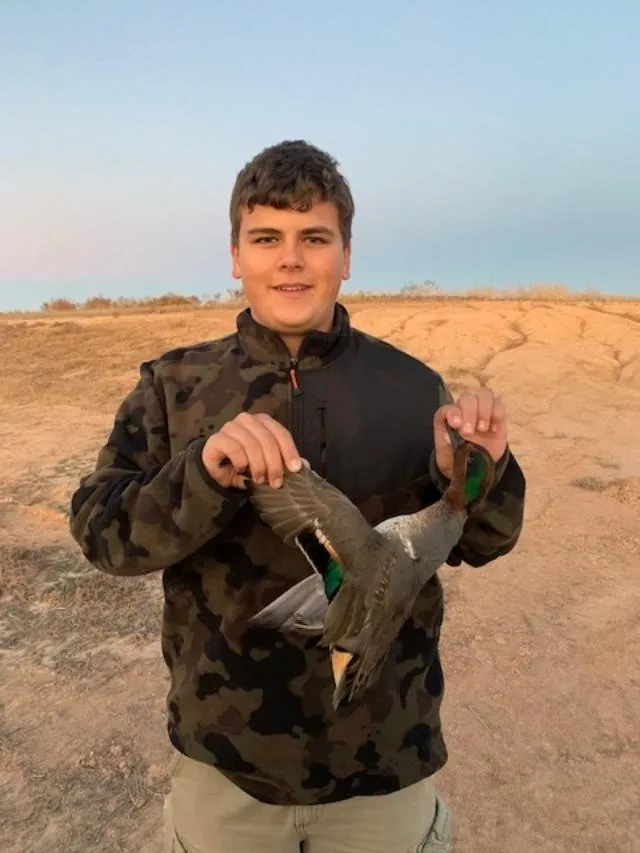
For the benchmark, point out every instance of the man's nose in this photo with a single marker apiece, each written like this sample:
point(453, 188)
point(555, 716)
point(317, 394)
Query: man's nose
point(291, 255)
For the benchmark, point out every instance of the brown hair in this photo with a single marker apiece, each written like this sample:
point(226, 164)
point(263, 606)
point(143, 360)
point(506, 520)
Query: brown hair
point(292, 174)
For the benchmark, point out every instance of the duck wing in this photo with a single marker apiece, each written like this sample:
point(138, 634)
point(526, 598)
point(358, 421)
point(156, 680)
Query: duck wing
point(371, 647)
point(302, 608)
point(306, 502)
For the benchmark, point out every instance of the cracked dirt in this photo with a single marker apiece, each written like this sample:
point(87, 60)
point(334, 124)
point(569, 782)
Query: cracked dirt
point(540, 649)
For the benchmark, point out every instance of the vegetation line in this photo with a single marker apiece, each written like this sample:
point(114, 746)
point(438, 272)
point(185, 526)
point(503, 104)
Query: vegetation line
point(410, 293)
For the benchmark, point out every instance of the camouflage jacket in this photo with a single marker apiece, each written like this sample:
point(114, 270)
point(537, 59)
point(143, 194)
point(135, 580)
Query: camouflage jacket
point(257, 703)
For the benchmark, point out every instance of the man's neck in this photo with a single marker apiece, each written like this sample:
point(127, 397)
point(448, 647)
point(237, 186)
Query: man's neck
point(266, 343)
point(293, 344)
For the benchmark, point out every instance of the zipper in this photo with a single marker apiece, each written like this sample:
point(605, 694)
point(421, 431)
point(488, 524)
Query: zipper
point(293, 378)
point(297, 416)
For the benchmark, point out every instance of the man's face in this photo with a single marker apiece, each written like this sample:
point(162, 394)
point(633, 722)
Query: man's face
point(292, 264)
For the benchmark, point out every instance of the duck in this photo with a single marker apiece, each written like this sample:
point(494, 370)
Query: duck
point(361, 593)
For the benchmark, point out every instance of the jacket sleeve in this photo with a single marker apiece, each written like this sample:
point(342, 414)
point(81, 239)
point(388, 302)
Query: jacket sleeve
point(495, 528)
point(143, 509)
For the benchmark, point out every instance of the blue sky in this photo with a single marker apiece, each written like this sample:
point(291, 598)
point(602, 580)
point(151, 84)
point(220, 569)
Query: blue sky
point(485, 142)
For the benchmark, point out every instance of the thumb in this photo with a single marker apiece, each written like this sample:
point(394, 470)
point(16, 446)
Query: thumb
point(449, 414)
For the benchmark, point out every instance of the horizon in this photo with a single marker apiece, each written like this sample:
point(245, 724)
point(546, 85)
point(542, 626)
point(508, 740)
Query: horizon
point(485, 147)
point(234, 299)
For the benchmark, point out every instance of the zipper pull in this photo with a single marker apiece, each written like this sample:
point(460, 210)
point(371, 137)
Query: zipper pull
point(293, 376)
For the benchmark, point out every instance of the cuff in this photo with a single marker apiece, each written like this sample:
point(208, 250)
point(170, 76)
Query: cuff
point(194, 451)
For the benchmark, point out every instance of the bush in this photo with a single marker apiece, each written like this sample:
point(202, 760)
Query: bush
point(59, 305)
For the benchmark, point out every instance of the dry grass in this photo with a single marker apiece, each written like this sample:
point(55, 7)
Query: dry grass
point(234, 298)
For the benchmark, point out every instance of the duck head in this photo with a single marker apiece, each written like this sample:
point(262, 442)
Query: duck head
point(473, 474)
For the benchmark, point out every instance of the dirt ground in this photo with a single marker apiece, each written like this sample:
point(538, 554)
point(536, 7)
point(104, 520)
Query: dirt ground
point(540, 649)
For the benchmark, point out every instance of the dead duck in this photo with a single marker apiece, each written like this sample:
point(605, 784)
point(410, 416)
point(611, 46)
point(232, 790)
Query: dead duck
point(362, 593)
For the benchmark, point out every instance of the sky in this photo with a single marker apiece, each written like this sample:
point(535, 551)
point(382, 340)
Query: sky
point(486, 143)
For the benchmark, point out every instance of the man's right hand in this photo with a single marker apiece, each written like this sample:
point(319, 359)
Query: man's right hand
point(254, 446)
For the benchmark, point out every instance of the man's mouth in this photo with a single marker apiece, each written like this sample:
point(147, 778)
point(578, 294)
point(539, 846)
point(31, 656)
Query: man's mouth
point(292, 288)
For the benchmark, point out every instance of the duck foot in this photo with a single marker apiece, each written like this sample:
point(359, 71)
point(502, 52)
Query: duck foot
point(339, 662)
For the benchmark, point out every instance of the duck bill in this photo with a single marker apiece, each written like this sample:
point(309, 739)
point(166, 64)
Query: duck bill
point(339, 662)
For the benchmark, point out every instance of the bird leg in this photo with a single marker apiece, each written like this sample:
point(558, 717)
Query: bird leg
point(339, 662)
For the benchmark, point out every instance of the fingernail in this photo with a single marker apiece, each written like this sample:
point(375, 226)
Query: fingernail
point(295, 465)
point(467, 428)
point(260, 480)
point(457, 420)
point(494, 428)
point(482, 426)
point(277, 483)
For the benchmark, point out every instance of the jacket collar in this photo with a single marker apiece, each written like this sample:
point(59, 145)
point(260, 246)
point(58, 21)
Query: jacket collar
point(262, 344)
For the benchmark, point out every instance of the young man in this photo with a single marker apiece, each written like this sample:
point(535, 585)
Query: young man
point(263, 762)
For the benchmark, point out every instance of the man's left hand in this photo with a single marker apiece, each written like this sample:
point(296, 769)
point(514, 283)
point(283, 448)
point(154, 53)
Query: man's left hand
point(479, 417)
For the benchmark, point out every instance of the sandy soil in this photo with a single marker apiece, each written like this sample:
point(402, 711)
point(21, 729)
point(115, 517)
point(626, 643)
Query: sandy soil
point(541, 649)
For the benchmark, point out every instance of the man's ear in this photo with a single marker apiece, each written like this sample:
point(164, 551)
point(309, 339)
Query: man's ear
point(235, 261)
point(346, 273)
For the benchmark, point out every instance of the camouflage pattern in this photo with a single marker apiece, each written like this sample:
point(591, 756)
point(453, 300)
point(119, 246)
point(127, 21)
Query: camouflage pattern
point(257, 703)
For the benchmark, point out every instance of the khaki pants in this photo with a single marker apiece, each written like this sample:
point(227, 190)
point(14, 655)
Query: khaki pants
point(205, 813)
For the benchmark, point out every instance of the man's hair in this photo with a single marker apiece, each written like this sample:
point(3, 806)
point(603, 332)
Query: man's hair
point(292, 174)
